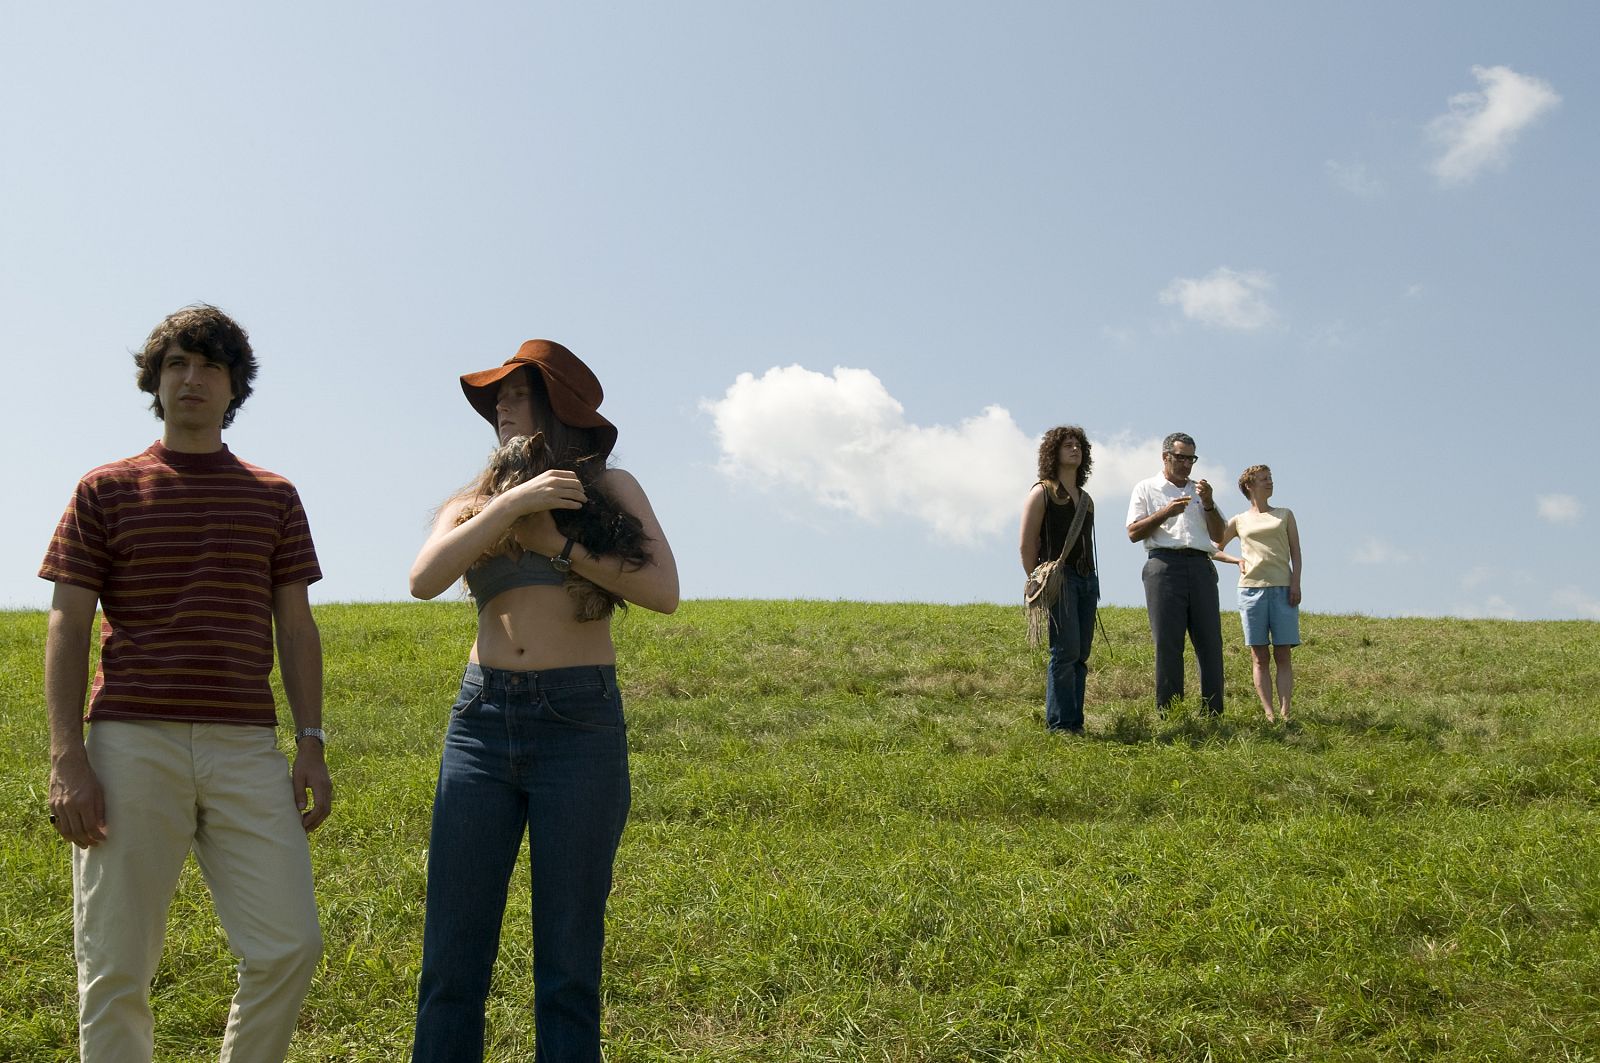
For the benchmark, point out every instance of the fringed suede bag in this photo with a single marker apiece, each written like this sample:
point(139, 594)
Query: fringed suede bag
point(1043, 589)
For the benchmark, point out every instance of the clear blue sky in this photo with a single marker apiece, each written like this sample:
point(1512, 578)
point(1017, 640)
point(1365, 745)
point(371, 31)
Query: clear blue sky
point(1353, 241)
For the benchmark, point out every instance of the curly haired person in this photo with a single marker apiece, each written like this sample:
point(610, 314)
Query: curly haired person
point(198, 561)
point(1048, 516)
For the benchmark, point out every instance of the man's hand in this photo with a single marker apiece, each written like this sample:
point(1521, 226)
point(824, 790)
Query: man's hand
point(1176, 506)
point(1294, 594)
point(311, 773)
point(1204, 487)
point(77, 804)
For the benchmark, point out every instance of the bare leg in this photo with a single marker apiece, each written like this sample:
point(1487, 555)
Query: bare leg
point(1261, 671)
point(1285, 679)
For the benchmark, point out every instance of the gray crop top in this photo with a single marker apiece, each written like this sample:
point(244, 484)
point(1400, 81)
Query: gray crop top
point(502, 572)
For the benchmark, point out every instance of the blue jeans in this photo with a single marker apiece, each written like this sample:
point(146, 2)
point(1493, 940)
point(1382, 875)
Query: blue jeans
point(1071, 639)
point(544, 752)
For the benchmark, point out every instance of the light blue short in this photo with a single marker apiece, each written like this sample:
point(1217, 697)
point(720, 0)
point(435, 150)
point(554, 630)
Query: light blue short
point(1268, 616)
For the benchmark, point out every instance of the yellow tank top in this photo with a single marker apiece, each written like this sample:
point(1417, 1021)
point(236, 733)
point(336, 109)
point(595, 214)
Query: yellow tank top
point(1264, 545)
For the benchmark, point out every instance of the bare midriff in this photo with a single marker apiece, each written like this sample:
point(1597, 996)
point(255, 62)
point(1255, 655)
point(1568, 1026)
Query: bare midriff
point(532, 628)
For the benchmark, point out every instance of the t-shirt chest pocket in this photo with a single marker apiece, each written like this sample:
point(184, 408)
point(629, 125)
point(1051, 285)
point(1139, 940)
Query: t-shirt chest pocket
point(235, 539)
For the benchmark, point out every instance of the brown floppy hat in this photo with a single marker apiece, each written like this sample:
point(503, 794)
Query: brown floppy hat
point(574, 391)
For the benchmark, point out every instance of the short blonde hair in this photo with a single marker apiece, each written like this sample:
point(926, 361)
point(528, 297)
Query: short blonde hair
point(1248, 475)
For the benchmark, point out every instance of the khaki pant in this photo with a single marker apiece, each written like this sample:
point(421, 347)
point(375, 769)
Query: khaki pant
point(222, 790)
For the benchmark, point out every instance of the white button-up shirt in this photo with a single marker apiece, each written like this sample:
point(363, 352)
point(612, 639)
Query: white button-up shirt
point(1186, 531)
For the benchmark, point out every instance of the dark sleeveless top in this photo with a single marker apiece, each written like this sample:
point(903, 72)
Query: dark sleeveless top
point(1057, 522)
point(502, 572)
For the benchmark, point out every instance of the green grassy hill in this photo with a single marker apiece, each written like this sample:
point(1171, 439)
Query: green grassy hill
point(852, 840)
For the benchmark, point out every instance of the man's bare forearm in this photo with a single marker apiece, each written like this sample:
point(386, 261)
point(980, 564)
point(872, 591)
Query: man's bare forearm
point(300, 661)
point(66, 681)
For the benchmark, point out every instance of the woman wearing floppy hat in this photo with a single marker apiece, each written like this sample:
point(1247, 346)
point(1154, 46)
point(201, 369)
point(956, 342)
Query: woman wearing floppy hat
point(536, 742)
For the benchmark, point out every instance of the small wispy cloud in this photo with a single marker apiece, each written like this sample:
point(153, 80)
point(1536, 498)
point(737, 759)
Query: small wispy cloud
point(1329, 335)
point(1493, 607)
point(1560, 509)
point(1224, 298)
point(1481, 126)
point(1354, 177)
point(1574, 601)
point(1376, 551)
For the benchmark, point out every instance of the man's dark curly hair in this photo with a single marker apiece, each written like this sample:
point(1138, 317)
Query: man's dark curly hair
point(204, 330)
point(1050, 449)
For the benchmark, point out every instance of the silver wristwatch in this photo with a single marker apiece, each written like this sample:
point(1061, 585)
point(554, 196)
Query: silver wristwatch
point(311, 732)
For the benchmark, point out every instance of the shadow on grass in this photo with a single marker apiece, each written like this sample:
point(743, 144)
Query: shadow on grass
point(1431, 727)
point(1186, 722)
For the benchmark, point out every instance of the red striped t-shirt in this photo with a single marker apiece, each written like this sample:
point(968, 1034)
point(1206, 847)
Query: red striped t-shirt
point(184, 551)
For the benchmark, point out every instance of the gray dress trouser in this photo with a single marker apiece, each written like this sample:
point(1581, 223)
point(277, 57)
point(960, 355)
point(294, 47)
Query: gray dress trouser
point(1180, 592)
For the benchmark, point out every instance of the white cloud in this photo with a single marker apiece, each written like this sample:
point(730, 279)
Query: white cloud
point(1560, 509)
point(1574, 601)
point(1375, 551)
point(843, 441)
point(1354, 177)
point(1480, 127)
point(1226, 298)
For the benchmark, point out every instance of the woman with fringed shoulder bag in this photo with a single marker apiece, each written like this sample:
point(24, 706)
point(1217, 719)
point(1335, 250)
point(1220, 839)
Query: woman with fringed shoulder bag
point(1057, 550)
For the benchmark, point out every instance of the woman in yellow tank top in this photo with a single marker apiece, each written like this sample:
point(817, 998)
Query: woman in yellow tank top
point(1269, 587)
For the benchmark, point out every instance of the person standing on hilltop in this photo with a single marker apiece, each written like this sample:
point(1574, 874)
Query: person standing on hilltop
point(1180, 581)
point(197, 559)
point(1058, 525)
point(536, 742)
point(1269, 586)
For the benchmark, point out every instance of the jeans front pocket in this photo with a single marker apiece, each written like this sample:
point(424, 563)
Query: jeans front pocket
point(469, 697)
point(595, 706)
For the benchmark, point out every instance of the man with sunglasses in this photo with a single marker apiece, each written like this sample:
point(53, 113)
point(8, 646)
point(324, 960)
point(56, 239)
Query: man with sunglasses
point(1180, 580)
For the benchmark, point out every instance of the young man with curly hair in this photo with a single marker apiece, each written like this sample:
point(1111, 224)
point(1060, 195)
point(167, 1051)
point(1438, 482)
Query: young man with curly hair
point(197, 561)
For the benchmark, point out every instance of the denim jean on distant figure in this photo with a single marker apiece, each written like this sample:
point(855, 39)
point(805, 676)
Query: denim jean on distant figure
point(1071, 639)
point(546, 752)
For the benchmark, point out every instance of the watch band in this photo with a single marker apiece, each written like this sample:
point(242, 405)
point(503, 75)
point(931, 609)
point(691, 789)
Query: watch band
point(562, 562)
point(312, 732)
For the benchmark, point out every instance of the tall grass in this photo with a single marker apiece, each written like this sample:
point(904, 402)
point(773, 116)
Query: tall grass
point(853, 840)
